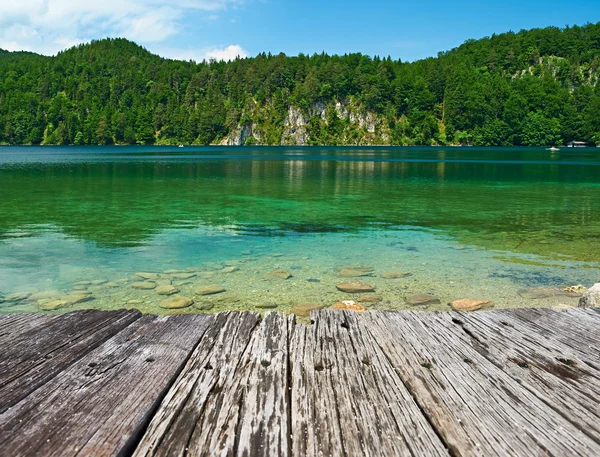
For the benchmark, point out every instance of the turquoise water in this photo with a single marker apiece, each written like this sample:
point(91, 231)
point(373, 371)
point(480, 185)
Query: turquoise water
point(460, 222)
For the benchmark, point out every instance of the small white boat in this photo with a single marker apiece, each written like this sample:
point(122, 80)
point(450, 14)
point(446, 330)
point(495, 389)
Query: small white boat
point(553, 149)
point(181, 145)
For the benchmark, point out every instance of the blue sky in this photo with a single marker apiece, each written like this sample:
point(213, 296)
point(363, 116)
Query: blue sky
point(222, 29)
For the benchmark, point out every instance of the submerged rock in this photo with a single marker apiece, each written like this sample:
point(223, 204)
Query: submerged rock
point(210, 290)
point(536, 293)
point(591, 299)
point(266, 305)
point(204, 305)
point(147, 275)
point(468, 304)
point(304, 309)
point(163, 282)
point(46, 295)
point(166, 290)
point(99, 282)
point(422, 300)
point(230, 269)
point(17, 297)
point(369, 298)
point(176, 302)
point(183, 275)
point(355, 287)
point(52, 305)
point(145, 285)
point(395, 274)
point(355, 271)
point(348, 305)
point(278, 274)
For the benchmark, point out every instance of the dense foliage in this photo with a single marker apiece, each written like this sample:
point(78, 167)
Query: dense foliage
point(536, 87)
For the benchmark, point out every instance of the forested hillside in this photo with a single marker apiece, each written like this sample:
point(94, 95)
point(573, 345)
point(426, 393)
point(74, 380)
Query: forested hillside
point(537, 87)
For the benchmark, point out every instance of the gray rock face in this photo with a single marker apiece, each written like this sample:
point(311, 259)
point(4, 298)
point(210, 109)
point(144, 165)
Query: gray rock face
point(591, 299)
point(294, 128)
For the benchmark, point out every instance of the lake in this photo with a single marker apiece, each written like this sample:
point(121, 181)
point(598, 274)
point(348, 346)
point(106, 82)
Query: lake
point(494, 224)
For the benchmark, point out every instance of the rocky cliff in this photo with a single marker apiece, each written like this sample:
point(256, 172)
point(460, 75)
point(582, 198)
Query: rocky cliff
point(346, 122)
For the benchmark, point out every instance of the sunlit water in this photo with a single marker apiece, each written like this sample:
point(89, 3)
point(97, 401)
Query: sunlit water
point(462, 222)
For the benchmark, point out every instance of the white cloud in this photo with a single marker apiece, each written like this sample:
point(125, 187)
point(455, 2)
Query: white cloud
point(198, 55)
point(48, 26)
point(228, 53)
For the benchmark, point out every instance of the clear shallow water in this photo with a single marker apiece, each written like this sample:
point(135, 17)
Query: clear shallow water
point(464, 222)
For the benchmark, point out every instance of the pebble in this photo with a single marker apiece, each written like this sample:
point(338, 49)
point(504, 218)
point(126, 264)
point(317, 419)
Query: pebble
point(176, 302)
point(468, 304)
point(354, 287)
point(421, 300)
point(313, 280)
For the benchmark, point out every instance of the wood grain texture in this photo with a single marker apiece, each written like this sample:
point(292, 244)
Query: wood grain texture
point(346, 397)
point(100, 404)
point(13, 325)
point(477, 408)
point(231, 398)
point(36, 355)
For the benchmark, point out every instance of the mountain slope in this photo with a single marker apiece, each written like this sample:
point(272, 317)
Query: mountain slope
point(536, 87)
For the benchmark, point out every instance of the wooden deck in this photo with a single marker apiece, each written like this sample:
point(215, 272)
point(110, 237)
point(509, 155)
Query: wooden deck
point(499, 383)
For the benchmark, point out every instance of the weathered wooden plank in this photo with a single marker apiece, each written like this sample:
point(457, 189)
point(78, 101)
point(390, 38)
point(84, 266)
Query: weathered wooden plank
point(556, 374)
point(39, 354)
point(476, 407)
point(575, 329)
point(100, 405)
point(346, 397)
point(13, 325)
point(205, 398)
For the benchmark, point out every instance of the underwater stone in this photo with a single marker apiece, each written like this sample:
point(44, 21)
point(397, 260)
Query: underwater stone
point(166, 290)
point(355, 287)
point(468, 304)
point(278, 274)
point(210, 290)
point(422, 300)
point(147, 275)
point(395, 274)
point(176, 303)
